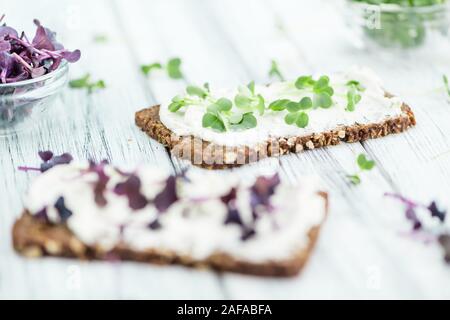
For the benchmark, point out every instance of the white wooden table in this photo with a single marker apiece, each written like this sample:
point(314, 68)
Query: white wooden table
point(360, 253)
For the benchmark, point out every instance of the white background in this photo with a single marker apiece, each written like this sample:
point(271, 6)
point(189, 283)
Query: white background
point(360, 253)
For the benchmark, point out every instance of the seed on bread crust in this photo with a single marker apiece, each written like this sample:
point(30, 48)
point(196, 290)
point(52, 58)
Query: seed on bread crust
point(32, 252)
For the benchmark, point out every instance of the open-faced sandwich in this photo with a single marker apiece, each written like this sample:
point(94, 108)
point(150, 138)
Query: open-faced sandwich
point(225, 128)
point(262, 226)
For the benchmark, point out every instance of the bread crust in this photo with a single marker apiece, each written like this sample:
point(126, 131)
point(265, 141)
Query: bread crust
point(212, 156)
point(35, 238)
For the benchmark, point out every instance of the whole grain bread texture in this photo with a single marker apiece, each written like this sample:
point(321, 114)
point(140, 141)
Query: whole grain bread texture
point(34, 238)
point(212, 156)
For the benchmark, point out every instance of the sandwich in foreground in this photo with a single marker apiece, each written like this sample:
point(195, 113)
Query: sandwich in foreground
point(97, 211)
point(225, 128)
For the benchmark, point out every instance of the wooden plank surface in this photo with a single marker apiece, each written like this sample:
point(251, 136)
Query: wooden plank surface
point(360, 253)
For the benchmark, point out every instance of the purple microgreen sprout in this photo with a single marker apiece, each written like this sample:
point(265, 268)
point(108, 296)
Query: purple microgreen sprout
point(261, 191)
point(21, 59)
point(411, 208)
point(131, 188)
point(164, 199)
point(63, 212)
point(247, 234)
point(155, 225)
point(233, 215)
point(65, 158)
point(435, 212)
point(167, 196)
point(101, 183)
point(42, 215)
point(49, 161)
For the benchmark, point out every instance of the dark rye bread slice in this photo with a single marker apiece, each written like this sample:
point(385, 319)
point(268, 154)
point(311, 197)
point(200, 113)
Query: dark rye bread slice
point(211, 156)
point(34, 238)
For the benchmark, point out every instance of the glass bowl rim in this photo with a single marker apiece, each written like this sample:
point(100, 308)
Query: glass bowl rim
point(62, 69)
point(395, 8)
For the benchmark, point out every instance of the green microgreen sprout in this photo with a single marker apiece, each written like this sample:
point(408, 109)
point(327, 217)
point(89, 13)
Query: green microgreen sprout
point(214, 116)
point(279, 105)
point(213, 121)
point(198, 91)
point(279, 24)
point(172, 67)
point(321, 90)
point(100, 38)
point(364, 164)
point(275, 71)
point(300, 119)
point(248, 101)
point(353, 94)
point(243, 121)
point(195, 95)
point(321, 93)
point(86, 83)
point(219, 115)
point(446, 84)
point(178, 102)
point(296, 110)
point(147, 69)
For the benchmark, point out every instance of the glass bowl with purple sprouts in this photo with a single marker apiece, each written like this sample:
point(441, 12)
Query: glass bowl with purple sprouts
point(32, 74)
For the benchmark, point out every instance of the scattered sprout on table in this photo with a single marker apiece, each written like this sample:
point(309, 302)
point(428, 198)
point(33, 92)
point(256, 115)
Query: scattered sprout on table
point(439, 233)
point(364, 164)
point(101, 38)
point(275, 71)
point(446, 84)
point(49, 160)
point(85, 82)
point(172, 67)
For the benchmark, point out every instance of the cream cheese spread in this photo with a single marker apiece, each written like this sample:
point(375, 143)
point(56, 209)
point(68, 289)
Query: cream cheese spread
point(199, 223)
point(374, 107)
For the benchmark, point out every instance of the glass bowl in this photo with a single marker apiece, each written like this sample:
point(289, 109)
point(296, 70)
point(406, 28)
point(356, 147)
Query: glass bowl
point(395, 26)
point(23, 103)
